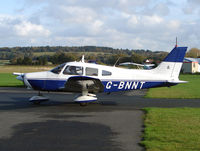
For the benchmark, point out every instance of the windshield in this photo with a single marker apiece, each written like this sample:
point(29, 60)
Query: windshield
point(58, 69)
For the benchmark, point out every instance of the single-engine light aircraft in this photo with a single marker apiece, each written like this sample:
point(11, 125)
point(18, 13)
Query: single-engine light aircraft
point(144, 66)
point(89, 79)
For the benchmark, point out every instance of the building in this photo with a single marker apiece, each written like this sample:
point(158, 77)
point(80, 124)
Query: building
point(191, 65)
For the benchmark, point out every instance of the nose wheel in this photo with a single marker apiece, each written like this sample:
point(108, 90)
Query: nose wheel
point(38, 99)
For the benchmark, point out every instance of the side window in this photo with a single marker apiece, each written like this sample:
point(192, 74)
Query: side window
point(73, 70)
point(91, 71)
point(106, 73)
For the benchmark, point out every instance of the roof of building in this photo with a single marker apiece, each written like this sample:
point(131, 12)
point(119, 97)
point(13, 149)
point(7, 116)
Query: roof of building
point(192, 60)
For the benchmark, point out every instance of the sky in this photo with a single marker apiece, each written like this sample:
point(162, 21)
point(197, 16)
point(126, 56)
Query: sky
point(126, 24)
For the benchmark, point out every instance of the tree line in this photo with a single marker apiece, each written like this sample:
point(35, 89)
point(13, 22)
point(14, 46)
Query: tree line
point(101, 55)
point(193, 53)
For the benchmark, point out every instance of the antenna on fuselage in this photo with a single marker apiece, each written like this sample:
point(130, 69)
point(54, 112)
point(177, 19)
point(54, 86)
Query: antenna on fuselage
point(116, 61)
point(83, 58)
point(176, 43)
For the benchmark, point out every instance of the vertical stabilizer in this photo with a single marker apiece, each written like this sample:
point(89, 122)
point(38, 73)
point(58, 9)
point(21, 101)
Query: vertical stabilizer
point(171, 65)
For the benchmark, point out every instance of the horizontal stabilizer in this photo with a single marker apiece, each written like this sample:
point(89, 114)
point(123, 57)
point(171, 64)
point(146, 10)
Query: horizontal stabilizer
point(177, 81)
point(18, 74)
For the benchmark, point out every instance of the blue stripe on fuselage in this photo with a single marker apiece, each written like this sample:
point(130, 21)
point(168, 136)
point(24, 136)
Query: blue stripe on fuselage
point(47, 85)
point(114, 86)
point(109, 86)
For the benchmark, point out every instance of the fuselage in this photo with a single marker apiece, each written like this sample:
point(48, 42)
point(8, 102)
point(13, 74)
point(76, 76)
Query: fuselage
point(113, 78)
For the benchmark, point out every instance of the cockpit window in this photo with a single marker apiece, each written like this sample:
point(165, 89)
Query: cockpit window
point(58, 69)
point(73, 70)
point(106, 73)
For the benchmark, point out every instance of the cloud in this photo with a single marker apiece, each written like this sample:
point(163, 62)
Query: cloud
point(25, 29)
point(192, 6)
point(6, 23)
point(16, 31)
point(132, 24)
point(161, 9)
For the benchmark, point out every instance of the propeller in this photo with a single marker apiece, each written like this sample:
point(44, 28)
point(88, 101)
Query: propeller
point(22, 77)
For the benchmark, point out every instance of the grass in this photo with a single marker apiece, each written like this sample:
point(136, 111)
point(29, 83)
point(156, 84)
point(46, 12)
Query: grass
point(23, 69)
point(9, 80)
point(186, 90)
point(172, 129)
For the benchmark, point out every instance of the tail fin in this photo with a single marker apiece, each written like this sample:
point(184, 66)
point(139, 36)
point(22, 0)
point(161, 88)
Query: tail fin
point(176, 55)
point(170, 67)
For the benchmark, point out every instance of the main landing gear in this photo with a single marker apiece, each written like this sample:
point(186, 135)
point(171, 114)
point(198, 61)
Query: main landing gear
point(38, 99)
point(85, 98)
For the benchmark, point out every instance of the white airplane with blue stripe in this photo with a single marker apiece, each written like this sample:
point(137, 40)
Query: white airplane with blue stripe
point(89, 79)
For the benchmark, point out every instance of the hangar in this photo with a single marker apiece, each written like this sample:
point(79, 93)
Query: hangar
point(191, 65)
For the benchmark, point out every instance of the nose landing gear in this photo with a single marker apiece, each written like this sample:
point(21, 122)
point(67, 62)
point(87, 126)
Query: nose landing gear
point(38, 99)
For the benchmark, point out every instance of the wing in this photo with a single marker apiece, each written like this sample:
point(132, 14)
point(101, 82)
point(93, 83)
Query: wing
point(80, 83)
point(131, 63)
point(137, 64)
point(149, 65)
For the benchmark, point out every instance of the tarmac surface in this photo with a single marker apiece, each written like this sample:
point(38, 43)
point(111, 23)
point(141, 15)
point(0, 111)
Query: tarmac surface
point(114, 123)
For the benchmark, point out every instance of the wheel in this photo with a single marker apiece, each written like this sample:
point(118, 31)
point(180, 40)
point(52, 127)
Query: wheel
point(36, 102)
point(83, 104)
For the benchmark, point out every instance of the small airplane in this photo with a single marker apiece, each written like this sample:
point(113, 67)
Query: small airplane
point(144, 66)
point(89, 79)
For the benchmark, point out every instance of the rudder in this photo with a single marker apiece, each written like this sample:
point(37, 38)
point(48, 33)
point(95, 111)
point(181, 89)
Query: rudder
point(176, 55)
point(171, 65)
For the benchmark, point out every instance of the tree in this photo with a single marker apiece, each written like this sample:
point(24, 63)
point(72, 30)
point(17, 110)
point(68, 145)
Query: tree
point(61, 57)
point(19, 61)
point(193, 53)
point(27, 61)
point(137, 58)
point(115, 59)
point(42, 60)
